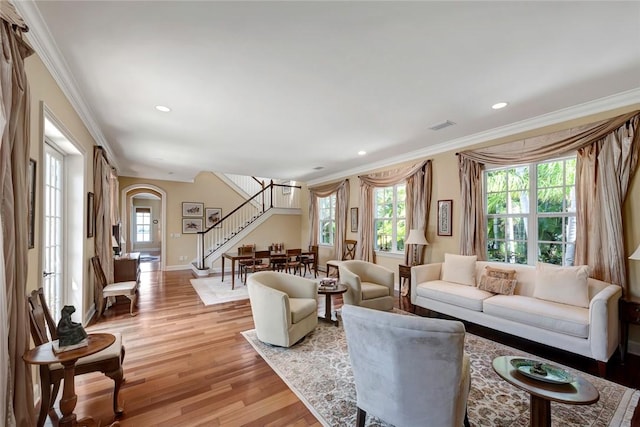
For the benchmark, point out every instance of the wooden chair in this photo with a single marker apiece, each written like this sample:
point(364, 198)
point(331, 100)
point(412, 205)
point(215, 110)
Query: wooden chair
point(293, 261)
point(261, 261)
point(245, 250)
point(310, 261)
point(348, 252)
point(108, 361)
point(278, 256)
point(105, 290)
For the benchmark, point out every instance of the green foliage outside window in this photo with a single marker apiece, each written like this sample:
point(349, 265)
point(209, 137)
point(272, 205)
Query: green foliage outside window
point(389, 218)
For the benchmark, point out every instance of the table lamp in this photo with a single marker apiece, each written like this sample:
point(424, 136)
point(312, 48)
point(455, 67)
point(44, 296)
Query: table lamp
point(416, 238)
point(636, 254)
point(115, 245)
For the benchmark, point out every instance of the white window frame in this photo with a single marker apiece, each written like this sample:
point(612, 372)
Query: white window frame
point(531, 218)
point(137, 224)
point(325, 215)
point(393, 248)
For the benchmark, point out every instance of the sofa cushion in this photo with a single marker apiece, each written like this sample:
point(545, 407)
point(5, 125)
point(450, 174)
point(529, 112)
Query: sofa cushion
point(565, 285)
point(301, 308)
point(373, 290)
point(497, 285)
point(459, 269)
point(463, 296)
point(562, 318)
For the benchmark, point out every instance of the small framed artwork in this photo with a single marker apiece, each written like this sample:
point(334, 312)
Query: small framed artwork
point(91, 216)
point(354, 220)
point(191, 225)
point(286, 190)
point(192, 209)
point(211, 216)
point(445, 209)
point(31, 194)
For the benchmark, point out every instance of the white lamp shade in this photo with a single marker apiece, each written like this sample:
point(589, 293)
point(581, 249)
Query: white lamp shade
point(416, 237)
point(114, 242)
point(636, 254)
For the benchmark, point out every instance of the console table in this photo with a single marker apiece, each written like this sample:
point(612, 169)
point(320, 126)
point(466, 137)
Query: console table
point(126, 267)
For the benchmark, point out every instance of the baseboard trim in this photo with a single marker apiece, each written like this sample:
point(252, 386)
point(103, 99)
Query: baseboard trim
point(633, 347)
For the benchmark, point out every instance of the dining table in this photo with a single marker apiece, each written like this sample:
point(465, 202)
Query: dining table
point(233, 256)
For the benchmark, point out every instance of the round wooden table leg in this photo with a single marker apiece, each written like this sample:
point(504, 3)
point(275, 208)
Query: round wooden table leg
point(69, 398)
point(327, 307)
point(540, 412)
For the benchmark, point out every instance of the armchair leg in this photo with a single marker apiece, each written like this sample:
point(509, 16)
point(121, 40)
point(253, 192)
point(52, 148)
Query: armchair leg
point(361, 417)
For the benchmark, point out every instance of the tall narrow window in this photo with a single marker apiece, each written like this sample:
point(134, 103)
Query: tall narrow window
point(327, 219)
point(143, 224)
point(532, 216)
point(390, 218)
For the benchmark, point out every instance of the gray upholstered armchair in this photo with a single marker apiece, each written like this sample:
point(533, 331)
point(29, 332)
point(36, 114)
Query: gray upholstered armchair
point(408, 370)
point(284, 306)
point(370, 285)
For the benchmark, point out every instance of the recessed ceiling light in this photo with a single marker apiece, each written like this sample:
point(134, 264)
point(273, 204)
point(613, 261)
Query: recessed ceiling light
point(163, 108)
point(499, 105)
point(361, 153)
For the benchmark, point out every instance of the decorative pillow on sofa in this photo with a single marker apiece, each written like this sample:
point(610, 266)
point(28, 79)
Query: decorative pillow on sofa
point(459, 269)
point(498, 281)
point(566, 285)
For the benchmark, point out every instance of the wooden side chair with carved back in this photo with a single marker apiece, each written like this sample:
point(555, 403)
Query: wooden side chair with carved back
point(108, 361)
point(293, 261)
point(105, 290)
point(310, 261)
point(348, 253)
point(245, 250)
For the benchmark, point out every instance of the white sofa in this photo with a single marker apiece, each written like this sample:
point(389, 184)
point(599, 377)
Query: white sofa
point(589, 331)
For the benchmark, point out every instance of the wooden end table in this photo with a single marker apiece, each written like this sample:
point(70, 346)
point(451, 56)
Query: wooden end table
point(579, 392)
point(404, 274)
point(340, 289)
point(44, 355)
point(629, 310)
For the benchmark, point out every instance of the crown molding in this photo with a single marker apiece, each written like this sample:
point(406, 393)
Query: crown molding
point(43, 43)
point(619, 100)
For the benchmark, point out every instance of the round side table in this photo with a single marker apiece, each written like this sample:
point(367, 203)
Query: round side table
point(340, 289)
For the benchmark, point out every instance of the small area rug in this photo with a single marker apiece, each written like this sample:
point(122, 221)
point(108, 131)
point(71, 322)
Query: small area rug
point(318, 371)
point(212, 290)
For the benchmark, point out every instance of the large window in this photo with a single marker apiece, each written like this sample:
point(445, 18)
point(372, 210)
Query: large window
point(327, 219)
point(390, 218)
point(143, 224)
point(531, 213)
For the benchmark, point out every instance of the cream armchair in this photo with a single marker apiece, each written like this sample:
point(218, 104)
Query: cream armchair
point(369, 285)
point(425, 384)
point(284, 307)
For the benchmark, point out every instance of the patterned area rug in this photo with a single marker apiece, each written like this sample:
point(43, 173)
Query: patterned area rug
point(212, 290)
point(318, 371)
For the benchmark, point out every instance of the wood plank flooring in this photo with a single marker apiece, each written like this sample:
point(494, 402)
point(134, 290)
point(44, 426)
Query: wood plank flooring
point(188, 365)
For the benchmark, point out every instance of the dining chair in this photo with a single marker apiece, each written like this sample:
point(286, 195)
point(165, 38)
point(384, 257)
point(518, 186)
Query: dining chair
point(293, 261)
point(278, 256)
point(261, 261)
point(310, 260)
point(245, 250)
point(105, 290)
point(108, 361)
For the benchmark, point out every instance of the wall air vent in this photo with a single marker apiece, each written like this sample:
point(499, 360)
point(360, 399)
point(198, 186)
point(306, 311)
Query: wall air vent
point(442, 125)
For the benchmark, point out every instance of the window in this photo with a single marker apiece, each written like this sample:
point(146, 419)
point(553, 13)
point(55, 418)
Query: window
point(531, 213)
point(389, 218)
point(327, 219)
point(143, 224)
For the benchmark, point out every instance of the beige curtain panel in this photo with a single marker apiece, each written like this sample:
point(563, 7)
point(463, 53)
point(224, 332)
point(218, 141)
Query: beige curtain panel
point(341, 189)
point(17, 392)
point(607, 157)
point(418, 178)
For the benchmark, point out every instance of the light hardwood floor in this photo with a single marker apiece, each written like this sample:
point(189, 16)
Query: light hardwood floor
point(187, 364)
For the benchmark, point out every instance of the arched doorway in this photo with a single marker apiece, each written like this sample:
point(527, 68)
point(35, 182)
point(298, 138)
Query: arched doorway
point(143, 198)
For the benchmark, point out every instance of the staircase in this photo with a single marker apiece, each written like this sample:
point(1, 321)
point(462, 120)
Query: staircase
point(224, 234)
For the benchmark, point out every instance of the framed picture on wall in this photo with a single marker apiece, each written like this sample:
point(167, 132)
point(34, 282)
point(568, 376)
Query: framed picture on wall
point(354, 220)
point(211, 216)
point(286, 190)
point(445, 209)
point(192, 209)
point(191, 225)
point(91, 216)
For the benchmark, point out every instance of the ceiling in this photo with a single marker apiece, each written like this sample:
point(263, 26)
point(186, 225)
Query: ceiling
point(278, 89)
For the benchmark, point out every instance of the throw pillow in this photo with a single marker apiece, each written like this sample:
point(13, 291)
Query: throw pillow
point(566, 285)
point(459, 269)
point(498, 281)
